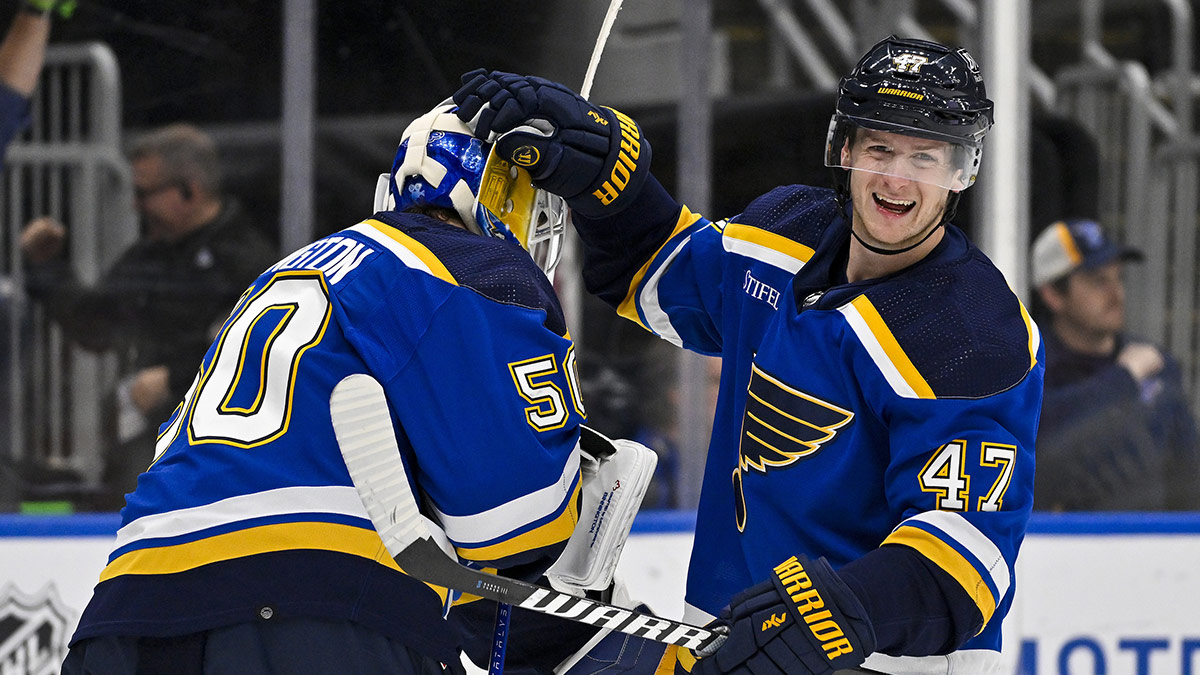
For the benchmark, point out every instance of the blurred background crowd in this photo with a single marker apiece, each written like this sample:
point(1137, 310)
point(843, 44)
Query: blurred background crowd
point(173, 150)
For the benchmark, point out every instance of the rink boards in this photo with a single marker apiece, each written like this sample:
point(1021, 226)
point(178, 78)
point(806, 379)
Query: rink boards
point(1096, 593)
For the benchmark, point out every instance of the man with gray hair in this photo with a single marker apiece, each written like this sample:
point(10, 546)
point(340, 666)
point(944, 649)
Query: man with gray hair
point(159, 305)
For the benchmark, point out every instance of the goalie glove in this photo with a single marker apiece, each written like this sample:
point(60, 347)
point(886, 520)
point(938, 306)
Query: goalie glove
point(592, 156)
point(804, 621)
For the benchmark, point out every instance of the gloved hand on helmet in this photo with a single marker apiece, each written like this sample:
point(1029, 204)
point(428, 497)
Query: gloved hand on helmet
point(592, 156)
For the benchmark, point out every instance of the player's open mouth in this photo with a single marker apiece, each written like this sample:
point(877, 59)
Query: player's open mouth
point(896, 206)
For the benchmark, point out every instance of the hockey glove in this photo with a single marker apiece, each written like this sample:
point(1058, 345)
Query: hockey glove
point(804, 620)
point(592, 156)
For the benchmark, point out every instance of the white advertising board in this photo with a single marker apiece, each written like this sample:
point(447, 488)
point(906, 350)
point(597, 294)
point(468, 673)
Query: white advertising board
point(1096, 594)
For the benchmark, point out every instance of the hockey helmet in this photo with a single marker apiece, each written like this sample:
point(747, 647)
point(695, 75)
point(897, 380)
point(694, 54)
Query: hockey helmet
point(440, 163)
point(914, 88)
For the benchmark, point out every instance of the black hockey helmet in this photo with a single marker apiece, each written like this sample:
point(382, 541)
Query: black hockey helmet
point(916, 88)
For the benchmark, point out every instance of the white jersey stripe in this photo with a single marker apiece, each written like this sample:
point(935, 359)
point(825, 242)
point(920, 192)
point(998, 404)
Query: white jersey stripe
point(656, 318)
point(330, 499)
point(763, 254)
point(505, 518)
point(973, 661)
point(967, 535)
point(878, 355)
point(406, 256)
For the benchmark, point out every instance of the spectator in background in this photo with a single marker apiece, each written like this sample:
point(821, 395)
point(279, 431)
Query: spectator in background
point(166, 296)
point(1116, 432)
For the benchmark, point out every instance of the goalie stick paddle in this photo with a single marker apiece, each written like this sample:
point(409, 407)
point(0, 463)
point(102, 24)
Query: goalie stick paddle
point(363, 426)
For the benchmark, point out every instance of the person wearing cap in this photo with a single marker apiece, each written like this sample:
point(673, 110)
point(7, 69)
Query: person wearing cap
point(1116, 431)
point(870, 473)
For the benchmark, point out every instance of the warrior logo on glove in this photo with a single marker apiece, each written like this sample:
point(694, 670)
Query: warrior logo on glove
point(526, 155)
point(811, 607)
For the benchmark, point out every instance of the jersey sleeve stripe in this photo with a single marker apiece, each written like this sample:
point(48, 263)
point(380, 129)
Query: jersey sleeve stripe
point(499, 521)
point(765, 246)
point(411, 252)
point(885, 351)
point(952, 561)
point(644, 284)
point(955, 528)
point(555, 531)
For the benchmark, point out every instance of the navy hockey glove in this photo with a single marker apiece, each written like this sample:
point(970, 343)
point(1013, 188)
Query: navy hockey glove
point(592, 156)
point(805, 620)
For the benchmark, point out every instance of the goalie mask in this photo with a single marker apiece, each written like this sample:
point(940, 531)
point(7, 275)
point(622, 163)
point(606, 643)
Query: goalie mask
point(914, 88)
point(439, 163)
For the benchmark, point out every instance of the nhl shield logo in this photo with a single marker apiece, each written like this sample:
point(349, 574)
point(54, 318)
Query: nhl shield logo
point(33, 631)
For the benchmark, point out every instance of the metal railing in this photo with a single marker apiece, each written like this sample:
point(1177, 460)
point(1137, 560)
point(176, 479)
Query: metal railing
point(1149, 175)
point(68, 165)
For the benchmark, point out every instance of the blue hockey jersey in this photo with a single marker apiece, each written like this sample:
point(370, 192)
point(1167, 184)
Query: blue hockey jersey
point(893, 411)
point(248, 512)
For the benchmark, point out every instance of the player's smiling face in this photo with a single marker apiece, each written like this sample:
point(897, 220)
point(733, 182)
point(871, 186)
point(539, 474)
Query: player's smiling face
point(895, 186)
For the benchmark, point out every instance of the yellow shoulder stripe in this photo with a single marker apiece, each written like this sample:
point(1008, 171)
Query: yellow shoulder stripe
point(895, 353)
point(950, 560)
point(417, 248)
point(1031, 330)
point(769, 240)
point(628, 306)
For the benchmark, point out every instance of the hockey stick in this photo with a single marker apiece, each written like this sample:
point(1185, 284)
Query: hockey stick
point(610, 17)
point(504, 610)
point(363, 426)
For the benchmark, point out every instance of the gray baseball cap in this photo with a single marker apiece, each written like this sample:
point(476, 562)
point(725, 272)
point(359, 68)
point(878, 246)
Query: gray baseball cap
point(1069, 245)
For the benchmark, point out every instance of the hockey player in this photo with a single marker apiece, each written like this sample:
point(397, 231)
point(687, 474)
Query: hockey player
point(871, 467)
point(245, 548)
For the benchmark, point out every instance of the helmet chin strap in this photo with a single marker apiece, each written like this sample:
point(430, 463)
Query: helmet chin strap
point(894, 251)
point(841, 181)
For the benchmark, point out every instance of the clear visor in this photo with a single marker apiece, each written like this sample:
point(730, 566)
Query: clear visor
point(893, 150)
point(510, 203)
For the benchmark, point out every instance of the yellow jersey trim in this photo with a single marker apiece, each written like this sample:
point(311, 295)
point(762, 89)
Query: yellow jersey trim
point(335, 537)
point(775, 242)
point(628, 306)
point(418, 249)
point(1031, 331)
point(893, 350)
point(945, 557)
point(551, 533)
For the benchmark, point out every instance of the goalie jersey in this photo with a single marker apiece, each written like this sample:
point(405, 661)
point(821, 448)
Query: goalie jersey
point(899, 411)
point(248, 512)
